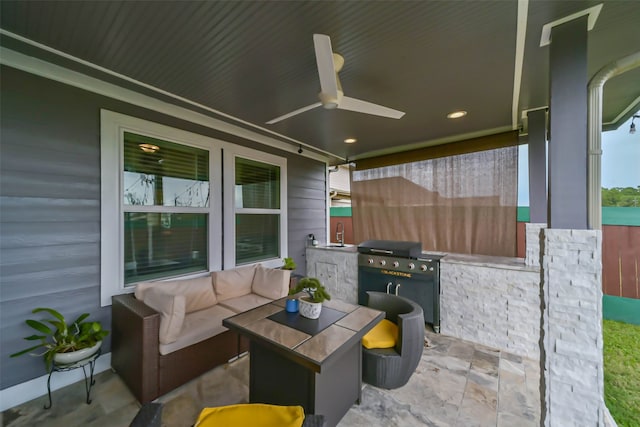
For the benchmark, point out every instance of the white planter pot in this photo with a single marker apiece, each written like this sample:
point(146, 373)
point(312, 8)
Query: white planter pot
point(75, 356)
point(308, 309)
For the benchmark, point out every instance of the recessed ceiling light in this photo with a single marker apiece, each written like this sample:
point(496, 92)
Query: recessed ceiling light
point(456, 114)
point(350, 140)
point(148, 148)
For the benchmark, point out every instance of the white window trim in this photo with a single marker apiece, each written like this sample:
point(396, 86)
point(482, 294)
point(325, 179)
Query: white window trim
point(229, 156)
point(112, 128)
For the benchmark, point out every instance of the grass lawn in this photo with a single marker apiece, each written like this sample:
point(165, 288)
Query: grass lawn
point(622, 372)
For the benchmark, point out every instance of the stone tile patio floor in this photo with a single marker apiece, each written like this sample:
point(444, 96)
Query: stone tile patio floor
point(457, 383)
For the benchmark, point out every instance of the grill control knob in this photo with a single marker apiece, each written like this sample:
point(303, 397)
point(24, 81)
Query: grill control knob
point(411, 266)
point(383, 262)
point(430, 268)
point(396, 264)
point(370, 260)
point(423, 267)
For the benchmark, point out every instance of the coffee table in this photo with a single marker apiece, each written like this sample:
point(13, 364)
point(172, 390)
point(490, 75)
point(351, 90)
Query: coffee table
point(313, 363)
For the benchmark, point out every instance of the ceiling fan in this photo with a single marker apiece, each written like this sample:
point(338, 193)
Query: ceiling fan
point(331, 95)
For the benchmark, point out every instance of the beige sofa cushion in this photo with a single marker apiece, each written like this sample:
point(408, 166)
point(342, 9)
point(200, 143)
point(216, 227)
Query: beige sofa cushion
point(233, 283)
point(271, 283)
point(199, 326)
point(198, 292)
point(245, 302)
point(172, 311)
point(141, 289)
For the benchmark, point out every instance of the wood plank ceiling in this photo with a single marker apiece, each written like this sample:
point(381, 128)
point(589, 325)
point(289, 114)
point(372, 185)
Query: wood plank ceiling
point(255, 60)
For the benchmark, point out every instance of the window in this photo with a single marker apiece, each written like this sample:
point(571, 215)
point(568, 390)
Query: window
point(256, 207)
point(162, 210)
point(165, 208)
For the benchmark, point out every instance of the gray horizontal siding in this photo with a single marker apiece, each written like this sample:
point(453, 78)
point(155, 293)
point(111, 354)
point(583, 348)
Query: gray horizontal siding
point(50, 206)
point(36, 184)
point(20, 234)
point(18, 157)
point(306, 192)
point(40, 209)
point(22, 284)
point(307, 209)
point(308, 204)
point(49, 212)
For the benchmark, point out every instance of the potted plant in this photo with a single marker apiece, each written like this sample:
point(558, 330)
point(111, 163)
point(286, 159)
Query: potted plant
point(310, 304)
point(64, 343)
point(289, 264)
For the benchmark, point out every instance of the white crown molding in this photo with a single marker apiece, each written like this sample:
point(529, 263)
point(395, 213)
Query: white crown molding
point(521, 36)
point(592, 13)
point(55, 72)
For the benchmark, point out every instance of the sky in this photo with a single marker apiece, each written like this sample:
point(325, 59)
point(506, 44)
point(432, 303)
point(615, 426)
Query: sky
point(620, 161)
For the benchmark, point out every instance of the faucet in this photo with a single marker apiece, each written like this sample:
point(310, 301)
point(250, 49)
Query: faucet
point(340, 233)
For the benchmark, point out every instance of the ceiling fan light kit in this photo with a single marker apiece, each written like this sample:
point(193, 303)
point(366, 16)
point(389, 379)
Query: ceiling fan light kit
point(331, 95)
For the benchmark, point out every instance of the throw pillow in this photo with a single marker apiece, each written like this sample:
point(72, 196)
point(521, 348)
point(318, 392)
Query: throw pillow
point(171, 308)
point(251, 415)
point(197, 291)
point(383, 335)
point(234, 282)
point(271, 283)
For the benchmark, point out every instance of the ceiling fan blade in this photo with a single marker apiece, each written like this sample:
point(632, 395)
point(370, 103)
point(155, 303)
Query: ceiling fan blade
point(360, 106)
point(293, 113)
point(326, 68)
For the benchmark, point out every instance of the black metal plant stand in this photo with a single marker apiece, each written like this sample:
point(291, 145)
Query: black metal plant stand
point(91, 361)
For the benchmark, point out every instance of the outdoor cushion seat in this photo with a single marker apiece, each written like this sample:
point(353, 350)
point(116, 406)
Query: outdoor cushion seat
point(198, 326)
point(245, 302)
point(392, 367)
point(257, 415)
point(383, 335)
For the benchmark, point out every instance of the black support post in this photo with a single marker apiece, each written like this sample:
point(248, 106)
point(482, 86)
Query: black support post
point(538, 166)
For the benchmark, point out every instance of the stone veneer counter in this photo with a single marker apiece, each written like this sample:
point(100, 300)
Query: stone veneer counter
point(337, 269)
point(489, 261)
point(491, 300)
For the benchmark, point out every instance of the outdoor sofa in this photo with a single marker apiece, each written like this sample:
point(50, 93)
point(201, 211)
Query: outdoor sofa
point(170, 332)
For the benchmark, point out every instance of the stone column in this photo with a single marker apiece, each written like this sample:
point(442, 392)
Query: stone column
point(571, 353)
point(532, 244)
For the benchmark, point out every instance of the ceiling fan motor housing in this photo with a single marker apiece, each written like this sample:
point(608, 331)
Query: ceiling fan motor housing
point(329, 101)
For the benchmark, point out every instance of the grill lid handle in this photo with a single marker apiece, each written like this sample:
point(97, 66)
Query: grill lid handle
point(381, 251)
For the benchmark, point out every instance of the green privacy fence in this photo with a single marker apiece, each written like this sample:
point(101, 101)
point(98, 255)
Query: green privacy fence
point(610, 215)
point(622, 309)
point(341, 211)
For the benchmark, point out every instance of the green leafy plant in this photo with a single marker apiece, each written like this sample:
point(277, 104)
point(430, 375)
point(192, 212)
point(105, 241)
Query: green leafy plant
point(63, 337)
point(312, 287)
point(289, 264)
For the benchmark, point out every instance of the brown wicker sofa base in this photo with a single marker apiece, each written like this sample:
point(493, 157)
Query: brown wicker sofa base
point(136, 359)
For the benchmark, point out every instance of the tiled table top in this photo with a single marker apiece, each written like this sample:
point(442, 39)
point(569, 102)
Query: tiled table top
point(314, 348)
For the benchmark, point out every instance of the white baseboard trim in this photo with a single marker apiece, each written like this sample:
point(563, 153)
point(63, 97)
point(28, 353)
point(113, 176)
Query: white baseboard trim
point(29, 390)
